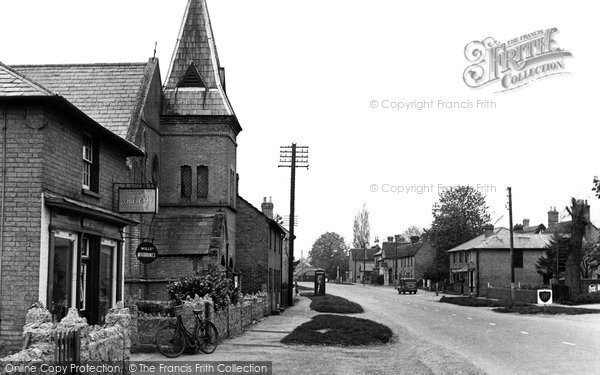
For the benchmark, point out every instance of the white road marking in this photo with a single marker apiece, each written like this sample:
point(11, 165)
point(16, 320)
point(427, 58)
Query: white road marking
point(568, 343)
point(492, 324)
point(469, 318)
point(437, 310)
point(453, 314)
point(525, 333)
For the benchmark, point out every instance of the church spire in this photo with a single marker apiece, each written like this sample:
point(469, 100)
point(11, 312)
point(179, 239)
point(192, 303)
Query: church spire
point(195, 80)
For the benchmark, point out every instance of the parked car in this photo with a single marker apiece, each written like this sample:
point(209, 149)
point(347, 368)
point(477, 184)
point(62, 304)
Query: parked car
point(407, 285)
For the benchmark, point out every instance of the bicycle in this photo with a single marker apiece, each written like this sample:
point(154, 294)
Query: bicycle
point(172, 339)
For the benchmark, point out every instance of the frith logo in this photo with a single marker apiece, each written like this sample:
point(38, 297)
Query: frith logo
point(514, 63)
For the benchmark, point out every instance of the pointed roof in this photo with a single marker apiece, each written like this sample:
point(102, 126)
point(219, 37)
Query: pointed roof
point(196, 46)
point(14, 84)
point(500, 240)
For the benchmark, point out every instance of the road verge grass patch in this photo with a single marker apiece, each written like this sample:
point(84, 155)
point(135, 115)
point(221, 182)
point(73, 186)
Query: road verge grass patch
point(333, 304)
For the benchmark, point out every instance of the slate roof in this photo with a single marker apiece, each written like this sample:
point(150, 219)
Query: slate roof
point(405, 249)
point(188, 234)
point(108, 93)
point(500, 240)
point(196, 45)
point(14, 84)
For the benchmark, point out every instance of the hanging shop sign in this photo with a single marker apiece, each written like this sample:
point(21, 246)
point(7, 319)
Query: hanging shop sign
point(138, 200)
point(146, 252)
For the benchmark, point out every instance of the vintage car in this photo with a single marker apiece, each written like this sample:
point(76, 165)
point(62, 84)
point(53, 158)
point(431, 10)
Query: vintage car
point(407, 285)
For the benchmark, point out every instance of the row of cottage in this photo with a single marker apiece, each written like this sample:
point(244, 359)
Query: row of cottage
point(86, 149)
point(474, 265)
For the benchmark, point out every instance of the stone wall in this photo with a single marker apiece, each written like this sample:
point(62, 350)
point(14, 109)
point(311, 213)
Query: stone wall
point(109, 343)
point(229, 322)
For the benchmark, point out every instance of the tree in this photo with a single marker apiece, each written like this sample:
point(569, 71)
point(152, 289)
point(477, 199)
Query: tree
point(413, 230)
point(547, 264)
point(328, 252)
point(459, 216)
point(361, 229)
point(590, 259)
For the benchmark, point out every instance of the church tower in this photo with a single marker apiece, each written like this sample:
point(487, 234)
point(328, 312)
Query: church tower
point(195, 227)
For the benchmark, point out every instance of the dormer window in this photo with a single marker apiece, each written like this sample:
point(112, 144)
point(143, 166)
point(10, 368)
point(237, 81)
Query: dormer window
point(192, 78)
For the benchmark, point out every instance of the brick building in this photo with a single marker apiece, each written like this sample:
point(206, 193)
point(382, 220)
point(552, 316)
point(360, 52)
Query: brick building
point(60, 239)
point(402, 259)
point(260, 246)
point(486, 259)
point(74, 135)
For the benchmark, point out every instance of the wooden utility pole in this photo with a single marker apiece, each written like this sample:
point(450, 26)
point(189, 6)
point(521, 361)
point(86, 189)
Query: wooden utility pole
point(512, 250)
point(292, 157)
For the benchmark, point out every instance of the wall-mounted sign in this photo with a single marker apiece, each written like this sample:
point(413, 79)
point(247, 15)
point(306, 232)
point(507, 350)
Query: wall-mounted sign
point(146, 252)
point(544, 296)
point(92, 225)
point(138, 200)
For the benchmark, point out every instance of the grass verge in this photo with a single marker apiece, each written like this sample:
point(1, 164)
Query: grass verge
point(338, 330)
point(333, 304)
point(479, 302)
point(550, 310)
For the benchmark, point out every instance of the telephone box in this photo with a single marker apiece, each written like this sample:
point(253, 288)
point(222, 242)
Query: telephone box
point(319, 282)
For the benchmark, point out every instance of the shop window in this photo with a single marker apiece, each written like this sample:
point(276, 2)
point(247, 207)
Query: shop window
point(518, 258)
point(90, 158)
point(107, 277)
point(62, 281)
point(202, 181)
point(186, 181)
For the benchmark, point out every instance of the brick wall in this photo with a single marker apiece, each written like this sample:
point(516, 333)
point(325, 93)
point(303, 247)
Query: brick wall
point(495, 269)
point(252, 247)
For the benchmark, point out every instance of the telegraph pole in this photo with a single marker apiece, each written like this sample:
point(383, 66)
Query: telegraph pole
point(292, 157)
point(512, 261)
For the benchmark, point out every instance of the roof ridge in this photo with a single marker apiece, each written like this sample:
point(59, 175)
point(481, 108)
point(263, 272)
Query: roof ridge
point(27, 81)
point(81, 64)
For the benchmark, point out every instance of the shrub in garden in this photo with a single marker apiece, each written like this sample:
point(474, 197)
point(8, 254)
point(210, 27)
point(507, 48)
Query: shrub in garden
point(213, 285)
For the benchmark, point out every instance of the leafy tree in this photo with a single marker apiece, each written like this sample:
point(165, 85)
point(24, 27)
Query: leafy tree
point(590, 260)
point(413, 230)
point(546, 264)
point(459, 216)
point(328, 252)
point(361, 229)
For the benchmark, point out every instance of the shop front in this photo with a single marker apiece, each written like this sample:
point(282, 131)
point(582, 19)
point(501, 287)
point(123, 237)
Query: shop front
point(84, 260)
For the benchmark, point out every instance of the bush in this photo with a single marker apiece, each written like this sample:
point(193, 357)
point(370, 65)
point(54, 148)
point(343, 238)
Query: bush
point(215, 285)
point(583, 299)
point(333, 304)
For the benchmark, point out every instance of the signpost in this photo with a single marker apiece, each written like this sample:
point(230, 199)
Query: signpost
point(544, 297)
point(146, 252)
point(138, 200)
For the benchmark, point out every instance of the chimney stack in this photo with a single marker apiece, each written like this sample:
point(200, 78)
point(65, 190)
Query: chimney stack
point(488, 229)
point(390, 239)
point(414, 239)
point(518, 228)
point(552, 217)
point(267, 207)
point(525, 223)
point(398, 238)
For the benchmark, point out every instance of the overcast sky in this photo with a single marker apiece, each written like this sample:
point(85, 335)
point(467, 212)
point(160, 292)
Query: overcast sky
point(310, 72)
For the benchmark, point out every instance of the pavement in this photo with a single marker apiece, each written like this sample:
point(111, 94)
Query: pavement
point(429, 338)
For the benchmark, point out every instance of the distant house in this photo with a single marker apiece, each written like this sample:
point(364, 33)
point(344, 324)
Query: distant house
point(401, 259)
point(260, 241)
point(362, 263)
point(486, 259)
point(304, 271)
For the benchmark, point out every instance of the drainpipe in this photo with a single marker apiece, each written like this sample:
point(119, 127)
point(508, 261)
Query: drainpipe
point(4, 131)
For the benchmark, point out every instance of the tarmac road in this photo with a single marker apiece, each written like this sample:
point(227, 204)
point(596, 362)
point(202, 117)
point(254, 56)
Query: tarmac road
point(496, 343)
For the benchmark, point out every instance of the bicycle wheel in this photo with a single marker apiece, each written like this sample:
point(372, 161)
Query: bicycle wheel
point(170, 341)
point(208, 337)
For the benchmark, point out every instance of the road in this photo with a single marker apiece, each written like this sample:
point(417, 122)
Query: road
point(496, 343)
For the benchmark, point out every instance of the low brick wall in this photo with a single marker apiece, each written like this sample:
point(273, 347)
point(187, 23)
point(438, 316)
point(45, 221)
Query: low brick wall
point(229, 322)
point(522, 295)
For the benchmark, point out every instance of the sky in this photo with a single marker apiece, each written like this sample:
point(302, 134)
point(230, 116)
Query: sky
point(326, 74)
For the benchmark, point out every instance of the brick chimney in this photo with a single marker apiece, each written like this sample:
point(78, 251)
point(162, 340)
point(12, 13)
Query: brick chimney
point(552, 217)
point(488, 230)
point(390, 239)
point(586, 209)
point(267, 207)
point(525, 223)
point(414, 239)
point(518, 228)
point(398, 238)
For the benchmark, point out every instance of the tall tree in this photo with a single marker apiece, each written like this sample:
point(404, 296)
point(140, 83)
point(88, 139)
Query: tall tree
point(361, 229)
point(459, 216)
point(328, 252)
point(547, 264)
point(413, 230)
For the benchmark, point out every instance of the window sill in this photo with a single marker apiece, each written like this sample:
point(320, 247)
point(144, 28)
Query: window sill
point(90, 193)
